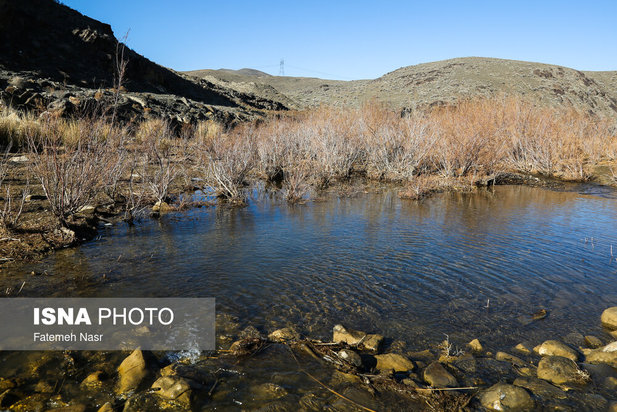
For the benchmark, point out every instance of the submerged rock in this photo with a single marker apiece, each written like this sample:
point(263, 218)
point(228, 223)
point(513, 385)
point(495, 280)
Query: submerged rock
point(556, 348)
point(438, 377)
point(504, 397)
point(173, 388)
point(523, 348)
point(592, 342)
point(131, 372)
point(561, 371)
point(268, 391)
point(506, 357)
point(398, 363)
point(93, 380)
point(540, 387)
point(609, 318)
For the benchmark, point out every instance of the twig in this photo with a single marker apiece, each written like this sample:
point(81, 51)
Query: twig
point(326, 386)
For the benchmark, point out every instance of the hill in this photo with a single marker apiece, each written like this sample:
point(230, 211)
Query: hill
point(446, 81)
point(51, 56)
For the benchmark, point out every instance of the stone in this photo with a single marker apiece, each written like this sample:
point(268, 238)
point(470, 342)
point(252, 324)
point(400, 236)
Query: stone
point(506, 357)
point(475, 345)
point(523, 348)
point(602, 375)
point(351, 357)
point(87, 210)
point(467, 363)
point(161, 207)
point(93, 380)
point(173, 388)
point(106, 408)
point(283, 335)
point(556, 348)
point(131, 372)
point(268, 391)
point(19, 159)
point(560, 371)
point(398, 363)
point(69, 408)
point(504, 397)
point(373, 342)
point(592, 342)
point(340, 334)
point(540, 388)
point(425, 355)
point(438, 377)
point(606, 354)
point(609, 318)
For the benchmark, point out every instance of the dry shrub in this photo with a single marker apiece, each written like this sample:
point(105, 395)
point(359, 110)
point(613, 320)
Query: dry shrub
point(15, 127)
point(225, 161)
point(13, 205)
point(159, 169)
point(71, 173)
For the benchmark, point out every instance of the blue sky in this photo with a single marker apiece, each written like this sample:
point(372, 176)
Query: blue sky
point(359, 39)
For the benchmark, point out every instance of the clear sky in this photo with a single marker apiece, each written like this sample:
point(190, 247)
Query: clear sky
point(360, 39)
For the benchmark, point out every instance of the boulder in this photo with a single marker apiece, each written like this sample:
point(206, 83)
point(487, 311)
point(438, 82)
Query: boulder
point(131, 372)
point(556, 348)
point(609, 318)
point(340, 334)
point(438, 377)
point(398, 363)
point(504, 397)
point(523, 348)
point(561, 371)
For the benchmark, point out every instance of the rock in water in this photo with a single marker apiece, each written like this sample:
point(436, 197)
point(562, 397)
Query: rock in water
point(131, 372)
point(504, 397)
point(606, 354)
point(438, 377)
point(609, 318)
point(556, 348)
point(350, 356)
point(475, 346)
point(592, 342)
point(173, 388)
point(561, 371)
point(373, 342)
point(394, 361)
point(282, 335)
point(340, 334)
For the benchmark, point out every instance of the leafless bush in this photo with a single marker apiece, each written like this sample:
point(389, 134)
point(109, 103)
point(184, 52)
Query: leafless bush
point(160, 168)
point(13, 205)
point(226, 162)
point(71, 173)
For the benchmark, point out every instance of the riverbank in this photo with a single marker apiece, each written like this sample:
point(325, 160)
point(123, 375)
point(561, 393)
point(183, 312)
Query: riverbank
point(67, 176)
point(353, 370)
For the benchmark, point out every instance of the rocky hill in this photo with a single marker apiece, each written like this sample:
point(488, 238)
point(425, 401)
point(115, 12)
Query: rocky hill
point(53, 57)
point(444, 82)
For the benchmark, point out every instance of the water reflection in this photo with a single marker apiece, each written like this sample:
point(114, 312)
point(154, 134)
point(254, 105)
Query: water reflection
point(409, 270)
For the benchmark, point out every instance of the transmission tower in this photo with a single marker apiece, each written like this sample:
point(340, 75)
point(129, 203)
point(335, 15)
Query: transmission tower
point(282, 68)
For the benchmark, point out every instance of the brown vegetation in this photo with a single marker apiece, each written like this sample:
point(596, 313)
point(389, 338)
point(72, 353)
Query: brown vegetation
point(93, 162)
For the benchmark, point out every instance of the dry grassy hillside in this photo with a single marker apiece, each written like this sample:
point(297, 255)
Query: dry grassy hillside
point(446, 81)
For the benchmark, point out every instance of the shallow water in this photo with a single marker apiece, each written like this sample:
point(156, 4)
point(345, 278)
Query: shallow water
point(466, 265)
